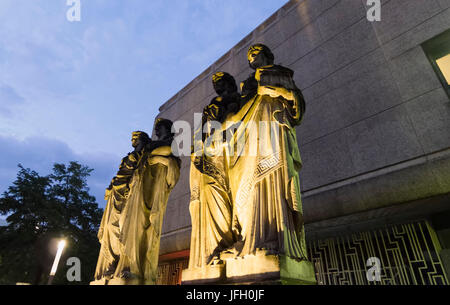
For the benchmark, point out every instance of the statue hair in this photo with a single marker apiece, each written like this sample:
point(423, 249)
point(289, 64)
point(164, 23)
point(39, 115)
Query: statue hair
point(227, 77)
point(265, 49)
point(166, 123)
point(143, 136)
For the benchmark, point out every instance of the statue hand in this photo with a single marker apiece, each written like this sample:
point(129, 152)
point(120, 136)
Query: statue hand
point(276, 92)
point(212, 112)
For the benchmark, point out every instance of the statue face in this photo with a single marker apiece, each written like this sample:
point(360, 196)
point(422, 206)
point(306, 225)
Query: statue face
point(221, 87)
point(256, 59)
point(136, 140)
point(161, 131)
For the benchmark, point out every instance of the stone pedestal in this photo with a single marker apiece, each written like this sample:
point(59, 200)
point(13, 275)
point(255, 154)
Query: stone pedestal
point(212, 274)
point(254, 269)
point(117, 281)
point(99, 282)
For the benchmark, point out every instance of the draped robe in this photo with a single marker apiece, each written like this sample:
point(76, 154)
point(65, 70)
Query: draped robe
point(264, 161)
point(248, 198)
point(131, 225)
point(142, 218)
point(109, 231)
point(210, 204)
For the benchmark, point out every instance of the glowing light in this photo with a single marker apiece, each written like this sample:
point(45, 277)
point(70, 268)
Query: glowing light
point(61, 245)
point(444, 65)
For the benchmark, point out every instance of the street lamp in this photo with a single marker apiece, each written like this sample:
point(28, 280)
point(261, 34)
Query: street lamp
point(61, 245)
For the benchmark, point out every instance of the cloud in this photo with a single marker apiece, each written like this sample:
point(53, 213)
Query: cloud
point(40, 153)
point(89, 84)
point(8, 99)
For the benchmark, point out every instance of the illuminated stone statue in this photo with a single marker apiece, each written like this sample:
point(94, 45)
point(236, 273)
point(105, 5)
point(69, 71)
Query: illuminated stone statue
point(210, 206)
point(247, 205)
point(137, 197)
point(116, 195)
point(263, 172)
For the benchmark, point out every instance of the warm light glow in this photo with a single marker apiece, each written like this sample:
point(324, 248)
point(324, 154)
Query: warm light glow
point(444, 65)
point(61, 245)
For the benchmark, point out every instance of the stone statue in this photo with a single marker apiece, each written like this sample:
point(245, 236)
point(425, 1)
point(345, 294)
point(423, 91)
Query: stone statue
point(210, 205)
point(246, 207)
point(263, 175)
point(116, 196)
point(137, 197)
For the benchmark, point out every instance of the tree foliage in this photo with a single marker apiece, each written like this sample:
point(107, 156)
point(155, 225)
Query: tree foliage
point(41, 210)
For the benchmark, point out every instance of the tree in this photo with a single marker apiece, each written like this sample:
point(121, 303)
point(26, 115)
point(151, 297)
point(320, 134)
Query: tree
point(43, 209)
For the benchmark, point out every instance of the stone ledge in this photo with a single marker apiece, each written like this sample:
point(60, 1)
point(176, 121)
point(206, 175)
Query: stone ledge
point(423, 178)
point(207, 275)
point(116, 281)
point(254, 269)
point(270, 268)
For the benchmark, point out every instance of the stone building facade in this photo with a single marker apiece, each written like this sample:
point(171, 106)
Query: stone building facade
point(375, 140)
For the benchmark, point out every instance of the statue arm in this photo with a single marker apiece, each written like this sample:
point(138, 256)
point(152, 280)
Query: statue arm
point(275, 92)
point(297, 109)
point(282, 85)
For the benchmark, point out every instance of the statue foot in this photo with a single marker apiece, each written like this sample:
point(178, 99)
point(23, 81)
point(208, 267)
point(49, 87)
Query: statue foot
point(233, 251)
point(126, 275)
point(214, 260)
point(227, 254)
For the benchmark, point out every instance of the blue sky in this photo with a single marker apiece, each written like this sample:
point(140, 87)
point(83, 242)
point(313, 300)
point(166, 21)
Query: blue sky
point(76, 90)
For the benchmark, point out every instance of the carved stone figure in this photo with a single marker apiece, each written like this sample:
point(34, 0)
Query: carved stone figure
point(116, 195)
point(210, 206)
point(264, 179)
point(246, 206)
point(137, 198)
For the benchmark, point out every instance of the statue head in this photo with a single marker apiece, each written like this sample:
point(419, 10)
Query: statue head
point(163, 129)
point(259, 55)
point(139, 139)
point(224, 83)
